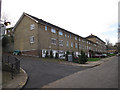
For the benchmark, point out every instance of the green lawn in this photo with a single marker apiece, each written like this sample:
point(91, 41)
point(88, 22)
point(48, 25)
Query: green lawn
point(94, 59)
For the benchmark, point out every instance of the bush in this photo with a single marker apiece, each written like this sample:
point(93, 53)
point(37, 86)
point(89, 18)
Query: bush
point(56, 55)
point(83, 58)
point(51, 54)
point(46, 55)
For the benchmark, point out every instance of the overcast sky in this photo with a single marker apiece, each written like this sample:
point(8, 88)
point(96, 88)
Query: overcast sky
point(83, 17)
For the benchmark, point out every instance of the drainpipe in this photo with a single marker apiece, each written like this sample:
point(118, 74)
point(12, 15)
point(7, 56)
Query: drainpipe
point(39, 51)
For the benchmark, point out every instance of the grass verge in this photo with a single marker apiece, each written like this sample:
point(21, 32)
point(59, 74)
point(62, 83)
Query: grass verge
point(94, 59)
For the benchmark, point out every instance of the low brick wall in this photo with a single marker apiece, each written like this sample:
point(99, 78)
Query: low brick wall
point(31, 53)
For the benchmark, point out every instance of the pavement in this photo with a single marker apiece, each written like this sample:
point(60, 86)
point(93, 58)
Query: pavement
point(19, 80)
point(89, 63)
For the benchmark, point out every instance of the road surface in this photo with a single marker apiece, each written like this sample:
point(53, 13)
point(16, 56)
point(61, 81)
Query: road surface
point(103, 76)
point(43, 72)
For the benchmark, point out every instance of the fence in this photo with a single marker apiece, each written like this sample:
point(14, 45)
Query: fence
point(10, 64)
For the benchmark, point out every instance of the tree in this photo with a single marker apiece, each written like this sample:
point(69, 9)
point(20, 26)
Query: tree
point(56, 55)
point(5, 41)
point(83, 58)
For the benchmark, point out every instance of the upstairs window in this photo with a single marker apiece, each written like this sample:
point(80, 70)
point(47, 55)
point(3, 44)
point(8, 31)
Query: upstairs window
point(32, 26)
point(53, 41)
point(53, 30)
point(65, 35)
point(75, 38)
point(45, 28)
point(79, 39)
point(68, 36)
point(79, 46)
point(71, 44)
point(32, 39)
point(76, 46)
point(60, 42)
point(60, 33)
point(67, 44)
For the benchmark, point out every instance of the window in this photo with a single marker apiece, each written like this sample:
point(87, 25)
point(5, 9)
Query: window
point(53, 41)
point(45, 28)
point(53, 30)
point(32, 39)
point(79, 46)
point(79, 39)
point(65, 35)
point(61, 42)
point(32, 26)
point(60, 33)
point(75, 38)
point(71, 44)
point(67, 43)
point(76, 45)
point(68, 36)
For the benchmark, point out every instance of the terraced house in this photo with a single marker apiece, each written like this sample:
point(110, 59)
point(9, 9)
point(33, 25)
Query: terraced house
point(34, 37)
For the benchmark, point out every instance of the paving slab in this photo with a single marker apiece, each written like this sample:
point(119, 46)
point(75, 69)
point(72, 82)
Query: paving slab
point(18, 82)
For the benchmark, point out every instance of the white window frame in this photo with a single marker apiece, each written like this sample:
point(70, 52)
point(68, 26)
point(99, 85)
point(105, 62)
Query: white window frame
point(32, 39)
point(32, 26)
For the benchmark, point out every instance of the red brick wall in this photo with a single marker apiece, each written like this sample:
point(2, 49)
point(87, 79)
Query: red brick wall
point(31, 53)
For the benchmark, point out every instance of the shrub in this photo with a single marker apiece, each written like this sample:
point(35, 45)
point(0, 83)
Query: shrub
point(46, 55)
point(83, 58)
point(51, 54)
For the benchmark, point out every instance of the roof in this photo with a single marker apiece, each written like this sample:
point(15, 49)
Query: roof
point(49, 24)
point(93, 36)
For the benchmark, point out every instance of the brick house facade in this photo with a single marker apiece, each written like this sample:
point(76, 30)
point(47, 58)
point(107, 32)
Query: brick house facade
point(34, 37)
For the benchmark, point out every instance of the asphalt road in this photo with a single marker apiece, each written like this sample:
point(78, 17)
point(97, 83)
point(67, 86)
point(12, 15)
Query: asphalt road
point(42, 72)
point(103, 76)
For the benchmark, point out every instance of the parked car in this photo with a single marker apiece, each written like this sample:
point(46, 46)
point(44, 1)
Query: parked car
point(118, 54)
point(103, 55)
point(17, 52)
point(97, 56)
